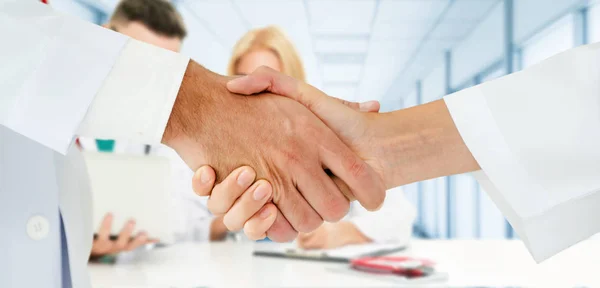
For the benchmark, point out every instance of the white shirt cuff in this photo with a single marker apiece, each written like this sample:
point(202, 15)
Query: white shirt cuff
point(136, 99)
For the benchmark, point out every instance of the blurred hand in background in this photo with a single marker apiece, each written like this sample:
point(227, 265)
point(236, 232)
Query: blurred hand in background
point(332, 235)
point(105, 244)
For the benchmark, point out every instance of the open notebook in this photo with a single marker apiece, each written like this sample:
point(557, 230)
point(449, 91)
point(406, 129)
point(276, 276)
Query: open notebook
point(342, 255)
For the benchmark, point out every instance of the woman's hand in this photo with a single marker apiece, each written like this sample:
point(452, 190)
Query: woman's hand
point(104, 245)
point(332, 235)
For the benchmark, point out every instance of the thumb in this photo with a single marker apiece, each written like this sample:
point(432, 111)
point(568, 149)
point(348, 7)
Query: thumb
point(265, 79)
point(203, 180)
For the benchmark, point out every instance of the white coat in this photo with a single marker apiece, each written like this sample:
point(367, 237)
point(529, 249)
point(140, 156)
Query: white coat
point(536, 137)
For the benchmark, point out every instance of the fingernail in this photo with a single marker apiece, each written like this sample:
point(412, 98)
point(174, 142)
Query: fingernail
point(204, 176)
point(245, 178)
point(237, 79)
point(131, 222)
point(234, 82)
point(261, 192)
point(365, 106)
point(265, 213)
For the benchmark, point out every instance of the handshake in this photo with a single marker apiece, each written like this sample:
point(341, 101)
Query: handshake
point(288, 157)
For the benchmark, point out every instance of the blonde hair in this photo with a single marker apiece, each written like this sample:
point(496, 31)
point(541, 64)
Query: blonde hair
point(274, 39)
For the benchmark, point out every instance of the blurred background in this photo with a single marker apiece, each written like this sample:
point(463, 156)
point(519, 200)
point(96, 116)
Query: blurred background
point(401, 52)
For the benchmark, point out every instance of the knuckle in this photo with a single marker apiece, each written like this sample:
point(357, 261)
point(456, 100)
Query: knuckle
point(309, 224)
point(292, 158)
point(337, 210)
point(357, 168)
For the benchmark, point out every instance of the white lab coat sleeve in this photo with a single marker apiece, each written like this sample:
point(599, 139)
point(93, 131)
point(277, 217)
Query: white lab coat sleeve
point(391, 224)
point(55, 68)
point(536, 136)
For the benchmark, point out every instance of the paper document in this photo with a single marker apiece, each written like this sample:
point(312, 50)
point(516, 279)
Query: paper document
point(342, 254)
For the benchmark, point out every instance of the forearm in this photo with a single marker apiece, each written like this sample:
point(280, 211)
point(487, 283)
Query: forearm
point(422, 143)
point(190, 116)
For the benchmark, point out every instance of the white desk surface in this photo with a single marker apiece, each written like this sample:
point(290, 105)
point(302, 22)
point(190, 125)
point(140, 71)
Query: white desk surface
point(490, 263)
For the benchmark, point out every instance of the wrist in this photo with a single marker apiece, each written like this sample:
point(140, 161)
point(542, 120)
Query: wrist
point(424, 144)
point(187, 96)
point(193, 113)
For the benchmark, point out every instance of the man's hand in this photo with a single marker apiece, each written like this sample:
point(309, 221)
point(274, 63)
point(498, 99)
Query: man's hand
point(283, 141)
point(256, 218)
point(104, 245)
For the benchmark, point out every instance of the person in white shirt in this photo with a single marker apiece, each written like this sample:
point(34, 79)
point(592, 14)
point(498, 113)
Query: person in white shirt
point(270, 47)
point(541, 170)
point(158, 23)
point(61, 77)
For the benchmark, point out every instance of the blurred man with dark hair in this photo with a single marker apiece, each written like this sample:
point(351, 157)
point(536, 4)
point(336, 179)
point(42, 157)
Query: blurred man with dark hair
point(152, 21)
point(158, 23)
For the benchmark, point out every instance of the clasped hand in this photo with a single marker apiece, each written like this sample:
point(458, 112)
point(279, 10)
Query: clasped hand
point(309, 168)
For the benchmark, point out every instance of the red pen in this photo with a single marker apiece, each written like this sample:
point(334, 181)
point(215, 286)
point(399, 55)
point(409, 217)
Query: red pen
point(402, 266)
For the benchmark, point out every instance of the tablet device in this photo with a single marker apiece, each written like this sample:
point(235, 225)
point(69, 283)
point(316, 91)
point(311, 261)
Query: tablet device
point(132, 187)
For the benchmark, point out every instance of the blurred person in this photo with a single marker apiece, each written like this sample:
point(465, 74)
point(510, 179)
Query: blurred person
point(158, 23)
point(270, 47)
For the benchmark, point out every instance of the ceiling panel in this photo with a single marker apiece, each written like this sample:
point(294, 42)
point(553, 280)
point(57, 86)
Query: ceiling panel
point(408, 10)
point(107, 6)
point(348, 45)
point(417, 67)
point(291, 17)
point(431, 26)
point(341, 17)
point(473, 10)
point(341, 73)
point(408, 30)
point(410, 19)
point(453, 29)
point(384, 61)
point(222, 16)
point(438, 45)
point(201, 45)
